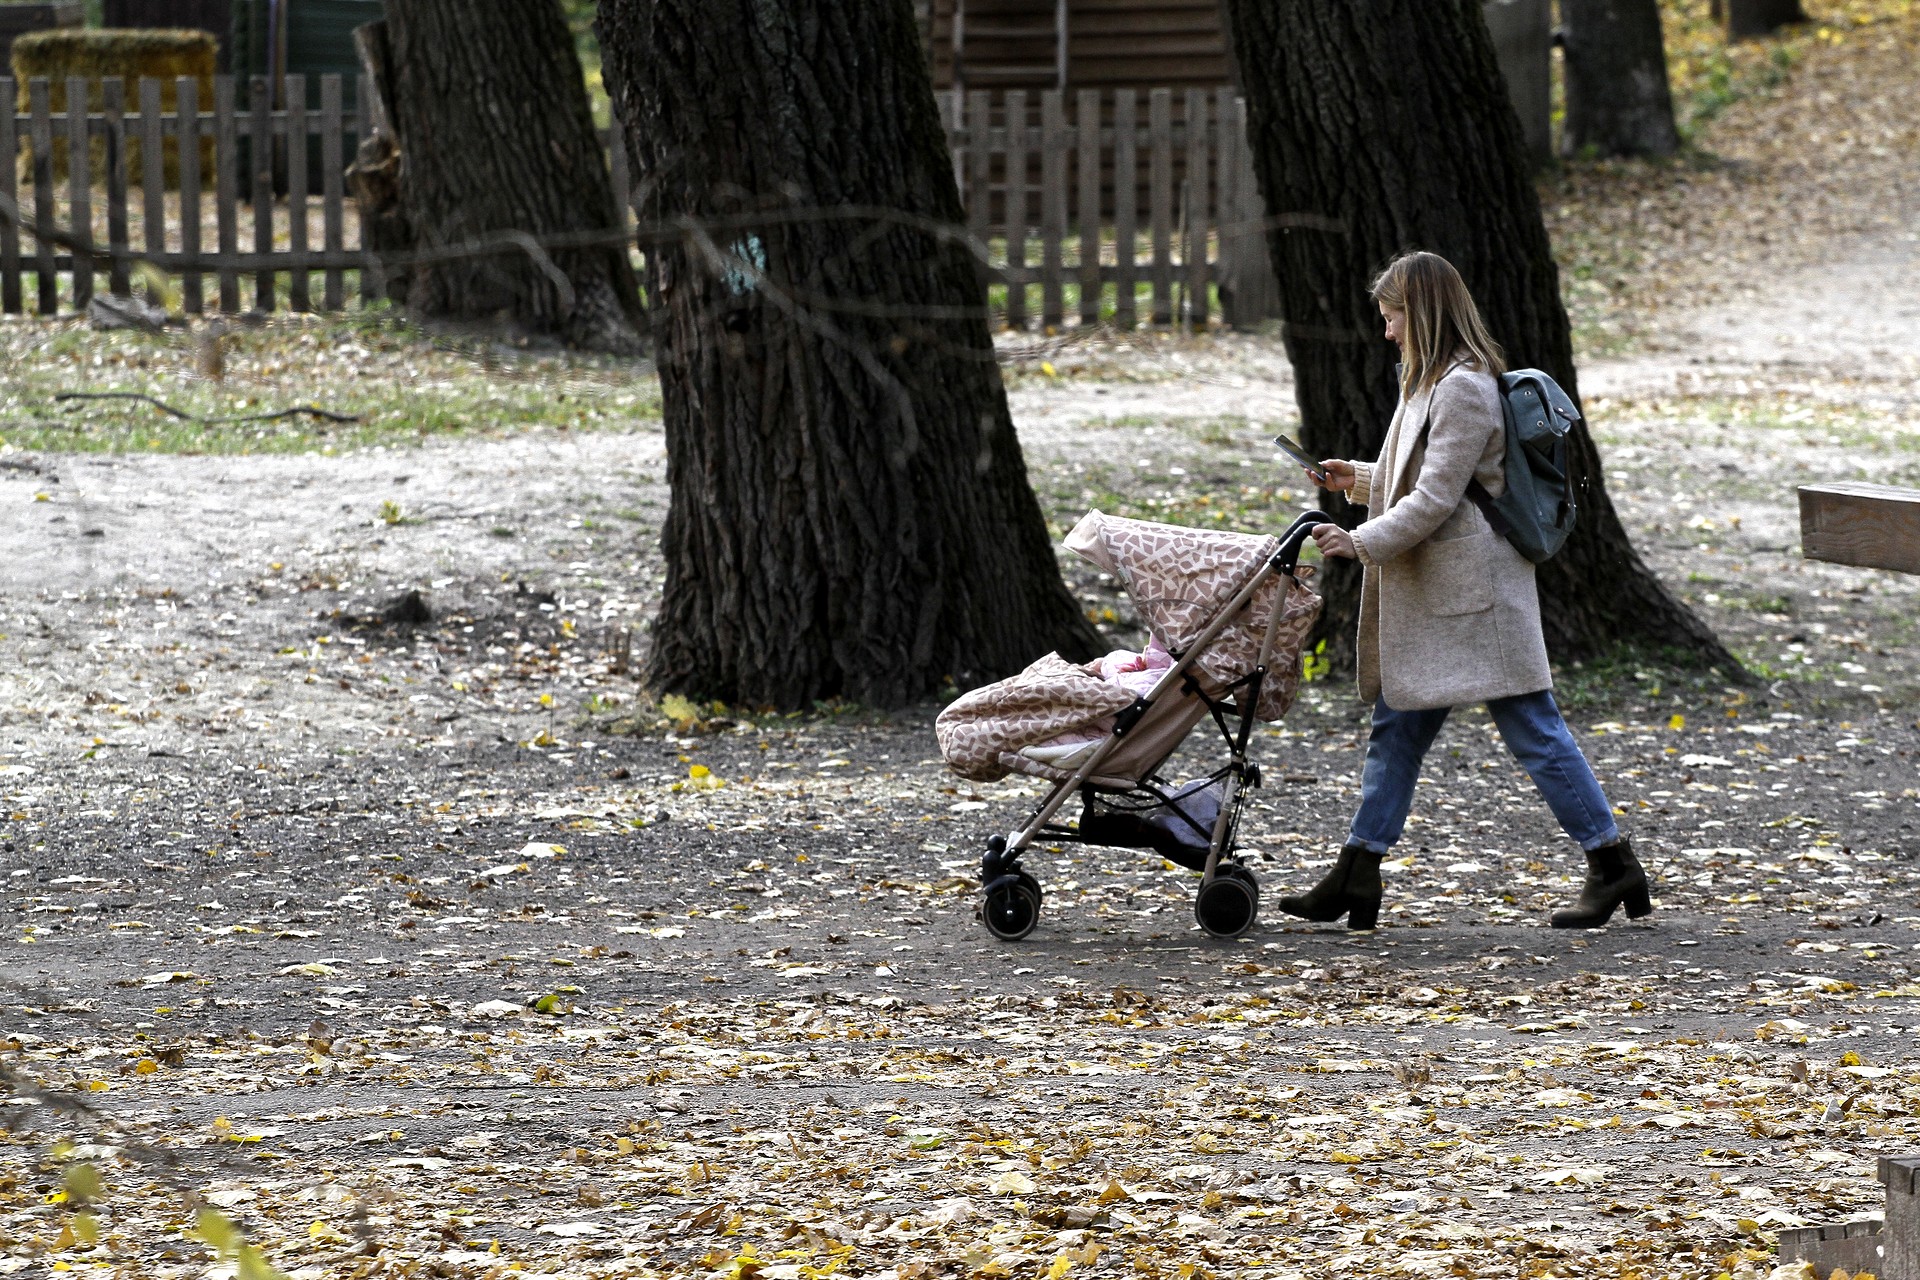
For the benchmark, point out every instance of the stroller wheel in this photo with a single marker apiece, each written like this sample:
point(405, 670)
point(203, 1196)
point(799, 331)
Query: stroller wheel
point(1011, 911)
point(1244, 874)
point(1227, 904)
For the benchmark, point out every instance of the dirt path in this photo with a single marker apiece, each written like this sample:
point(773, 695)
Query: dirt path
point(423, 954)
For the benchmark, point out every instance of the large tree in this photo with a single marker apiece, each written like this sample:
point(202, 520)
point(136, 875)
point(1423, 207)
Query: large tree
point(1618, 99)
point(485, 165)
point(850, 512)
point(1379, 126)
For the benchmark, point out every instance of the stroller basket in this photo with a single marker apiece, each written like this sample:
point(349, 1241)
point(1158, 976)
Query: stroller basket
point(1179, 829)
point(1229, 616)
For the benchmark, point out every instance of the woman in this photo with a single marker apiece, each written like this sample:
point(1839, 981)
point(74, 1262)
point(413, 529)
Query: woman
point(1448, 610)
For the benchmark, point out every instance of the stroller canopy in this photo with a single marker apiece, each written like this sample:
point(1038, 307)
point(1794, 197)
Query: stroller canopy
point(1181, 578)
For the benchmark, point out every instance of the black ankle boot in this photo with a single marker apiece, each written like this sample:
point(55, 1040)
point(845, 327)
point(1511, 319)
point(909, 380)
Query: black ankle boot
point(1614, 876)
point(1351, 888)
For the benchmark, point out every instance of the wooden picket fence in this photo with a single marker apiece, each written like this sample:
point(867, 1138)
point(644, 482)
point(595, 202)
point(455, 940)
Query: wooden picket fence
point(1101, 216)
point(1109, 207)
point(291, 220)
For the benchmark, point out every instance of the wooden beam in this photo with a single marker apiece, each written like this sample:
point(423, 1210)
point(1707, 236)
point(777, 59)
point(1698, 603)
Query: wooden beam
point(1875, 526)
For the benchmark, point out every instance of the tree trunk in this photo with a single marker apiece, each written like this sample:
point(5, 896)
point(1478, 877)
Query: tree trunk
point(850, 512)
point(1618, 100)
point(1383, 127)
point(495, 143)
point(1749, 18)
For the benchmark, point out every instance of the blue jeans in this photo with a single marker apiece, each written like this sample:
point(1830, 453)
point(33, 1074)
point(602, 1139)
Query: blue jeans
point(1529, 724)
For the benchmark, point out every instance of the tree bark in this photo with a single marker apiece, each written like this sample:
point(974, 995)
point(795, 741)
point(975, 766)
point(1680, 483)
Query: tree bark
point(1749, 18)
point(850, 511)
point(496, 144)
point(1382, 127)
point(1618, 99)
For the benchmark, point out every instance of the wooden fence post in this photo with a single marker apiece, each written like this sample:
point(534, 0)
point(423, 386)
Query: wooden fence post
point(226, 190)
point(40, 143)
point(1053, 207)
point(80, 192)
point(367, 110)
point(1199, 215)
point(1016, 222)
point(261, 158)
point(1087, 150)
point(333, 194)
point(298, 298)
point(1160, 200)
point(153, 176)
point(113, 99)
point(1126, 199)
point(186, 100)
point(10, 301)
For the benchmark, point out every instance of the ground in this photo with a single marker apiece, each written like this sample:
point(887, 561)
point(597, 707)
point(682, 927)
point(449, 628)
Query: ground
point(435, 947)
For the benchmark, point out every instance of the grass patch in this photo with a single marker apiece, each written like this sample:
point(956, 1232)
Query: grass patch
point(1642, 677)
point(406, 386)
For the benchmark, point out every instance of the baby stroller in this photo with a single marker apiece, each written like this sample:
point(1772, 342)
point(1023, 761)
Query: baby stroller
point(1229, 616)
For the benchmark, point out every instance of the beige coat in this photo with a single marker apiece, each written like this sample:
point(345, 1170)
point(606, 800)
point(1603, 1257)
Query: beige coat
point(1448, 610)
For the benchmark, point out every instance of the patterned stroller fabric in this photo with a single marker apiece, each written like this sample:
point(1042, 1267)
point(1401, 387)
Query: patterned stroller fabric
point(1050, 698)
point(1181, 578)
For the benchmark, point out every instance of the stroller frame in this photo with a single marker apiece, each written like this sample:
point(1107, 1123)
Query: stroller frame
point(1228, 897)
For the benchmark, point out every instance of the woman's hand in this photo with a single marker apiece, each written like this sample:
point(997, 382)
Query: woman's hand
point(1339, 473)
point(1332, 539)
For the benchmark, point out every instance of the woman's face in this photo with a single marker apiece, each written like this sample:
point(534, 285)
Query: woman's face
point(1396, 324)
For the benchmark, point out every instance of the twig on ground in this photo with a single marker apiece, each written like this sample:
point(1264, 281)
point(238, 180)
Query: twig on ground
point(182, 414)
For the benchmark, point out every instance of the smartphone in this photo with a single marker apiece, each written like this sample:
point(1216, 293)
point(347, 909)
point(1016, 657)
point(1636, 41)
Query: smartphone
point(1299, 455)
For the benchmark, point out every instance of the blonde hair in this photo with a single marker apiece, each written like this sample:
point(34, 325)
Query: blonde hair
point(1442, 324)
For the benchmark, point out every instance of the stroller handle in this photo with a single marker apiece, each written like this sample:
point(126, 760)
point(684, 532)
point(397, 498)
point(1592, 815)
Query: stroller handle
point(1296, 537)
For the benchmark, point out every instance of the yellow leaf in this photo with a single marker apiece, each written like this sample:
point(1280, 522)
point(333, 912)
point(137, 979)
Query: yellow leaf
point(83, 1182)
point(145, 1067)
point(326, 1231)
point(252, 1266)
point(1059, 1267)
point(214, 1227)
point(1046, 367)
point(1678, 722)
point(699, 771)
point(1849, 1059)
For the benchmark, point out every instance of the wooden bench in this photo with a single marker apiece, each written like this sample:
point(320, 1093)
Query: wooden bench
point(1875, 526)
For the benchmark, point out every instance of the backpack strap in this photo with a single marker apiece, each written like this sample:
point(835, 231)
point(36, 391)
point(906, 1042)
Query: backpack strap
point(1476, 492)
point(1484, 500)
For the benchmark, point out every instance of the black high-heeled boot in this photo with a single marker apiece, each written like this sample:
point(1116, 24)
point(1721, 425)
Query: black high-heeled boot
point(1351, 888)
point(1614, 876)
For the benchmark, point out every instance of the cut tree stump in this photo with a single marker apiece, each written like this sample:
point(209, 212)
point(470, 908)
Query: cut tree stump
point(1875, 526)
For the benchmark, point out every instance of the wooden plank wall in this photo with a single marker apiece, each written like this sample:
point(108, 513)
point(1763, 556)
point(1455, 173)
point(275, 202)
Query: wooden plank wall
point(1111, 44)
